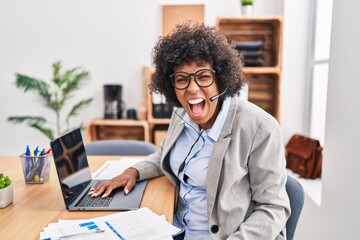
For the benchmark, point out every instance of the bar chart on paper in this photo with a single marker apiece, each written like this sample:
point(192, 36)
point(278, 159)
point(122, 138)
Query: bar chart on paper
point(89, 225)
point(131, 225)
point(80, 230)
point(139, 224)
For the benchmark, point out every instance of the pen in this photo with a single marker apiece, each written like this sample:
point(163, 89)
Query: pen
point(83, 233)
point(27, 160)
point(30, 164)
point(48, 151)
point(37, 165)
point(36, 151)
point(41, 159)
point(31, 159)
point(42, 152)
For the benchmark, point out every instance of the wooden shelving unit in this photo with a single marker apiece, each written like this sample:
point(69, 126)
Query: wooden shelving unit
point(264, 80)
point(100, 129)
point(157, 126)
point(150, 129)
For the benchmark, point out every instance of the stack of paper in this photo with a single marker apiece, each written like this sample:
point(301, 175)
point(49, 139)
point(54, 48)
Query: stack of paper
point(131, 225)
point(112, 168)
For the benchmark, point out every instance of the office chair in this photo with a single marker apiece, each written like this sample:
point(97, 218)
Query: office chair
point(296, 195)
point(120, 147)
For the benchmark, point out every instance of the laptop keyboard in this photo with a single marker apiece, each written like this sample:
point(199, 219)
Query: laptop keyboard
point(88, 201)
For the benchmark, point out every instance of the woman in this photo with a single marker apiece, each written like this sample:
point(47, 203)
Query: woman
point(224, 154)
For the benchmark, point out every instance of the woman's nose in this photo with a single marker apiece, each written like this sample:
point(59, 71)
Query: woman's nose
point(193, 85)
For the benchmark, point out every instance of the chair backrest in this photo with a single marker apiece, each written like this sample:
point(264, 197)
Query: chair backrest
point(120, 147)
point(296, 195)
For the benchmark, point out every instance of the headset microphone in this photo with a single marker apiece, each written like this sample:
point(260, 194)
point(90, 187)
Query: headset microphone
point(213, 98)
point(182, 165)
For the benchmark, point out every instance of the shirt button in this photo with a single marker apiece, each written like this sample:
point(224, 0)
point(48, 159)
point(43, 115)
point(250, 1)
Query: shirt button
point(214, 228)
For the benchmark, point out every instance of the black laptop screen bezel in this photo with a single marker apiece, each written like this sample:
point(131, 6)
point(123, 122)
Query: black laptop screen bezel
point(70, 159)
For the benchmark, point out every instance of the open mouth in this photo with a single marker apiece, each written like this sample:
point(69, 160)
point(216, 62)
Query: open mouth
point(196, 105)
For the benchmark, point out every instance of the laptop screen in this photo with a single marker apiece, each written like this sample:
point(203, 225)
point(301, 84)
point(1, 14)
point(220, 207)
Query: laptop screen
point(71, 164)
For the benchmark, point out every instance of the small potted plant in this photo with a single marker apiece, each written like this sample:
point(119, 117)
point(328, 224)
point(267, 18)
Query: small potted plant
point(246, 7)
point(6, 191)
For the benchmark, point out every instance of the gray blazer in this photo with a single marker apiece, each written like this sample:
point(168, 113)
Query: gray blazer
point(246, 196)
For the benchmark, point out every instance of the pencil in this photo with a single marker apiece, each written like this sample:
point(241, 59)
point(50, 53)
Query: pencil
point(83, 233)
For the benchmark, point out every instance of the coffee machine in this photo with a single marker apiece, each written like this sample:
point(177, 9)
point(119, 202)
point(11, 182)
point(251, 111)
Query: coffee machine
point(113, 101)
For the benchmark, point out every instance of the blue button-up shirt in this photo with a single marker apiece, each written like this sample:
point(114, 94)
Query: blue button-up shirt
point(191, 213)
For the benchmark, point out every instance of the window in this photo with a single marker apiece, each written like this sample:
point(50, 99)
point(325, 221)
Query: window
point(319, 66)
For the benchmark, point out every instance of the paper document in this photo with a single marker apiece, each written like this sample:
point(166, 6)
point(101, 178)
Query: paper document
point(113, 168)
point(132, 225)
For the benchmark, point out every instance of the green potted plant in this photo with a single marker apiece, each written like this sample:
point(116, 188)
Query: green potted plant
point(6, 191)
point(246, 7)
point(55, 95)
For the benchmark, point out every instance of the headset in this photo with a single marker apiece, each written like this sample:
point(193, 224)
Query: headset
point(213, 98)
point(182, 165)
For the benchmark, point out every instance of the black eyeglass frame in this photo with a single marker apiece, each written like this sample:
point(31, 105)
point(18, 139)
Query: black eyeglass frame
point(195, 79)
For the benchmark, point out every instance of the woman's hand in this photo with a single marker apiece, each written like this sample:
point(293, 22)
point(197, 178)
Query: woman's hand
point(127, 180)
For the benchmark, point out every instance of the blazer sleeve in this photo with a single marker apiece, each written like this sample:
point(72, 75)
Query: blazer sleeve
point(150, 167)
point(268, 177)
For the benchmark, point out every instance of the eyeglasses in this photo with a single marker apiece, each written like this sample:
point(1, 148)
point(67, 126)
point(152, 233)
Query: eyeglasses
point(203, 78)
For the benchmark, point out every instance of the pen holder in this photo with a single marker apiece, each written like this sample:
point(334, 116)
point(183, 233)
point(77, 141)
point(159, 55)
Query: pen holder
point(35, 169)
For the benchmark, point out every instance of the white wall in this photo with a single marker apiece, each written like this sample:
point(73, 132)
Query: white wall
point(112, 39)
point(338, 216)
point(294, 82)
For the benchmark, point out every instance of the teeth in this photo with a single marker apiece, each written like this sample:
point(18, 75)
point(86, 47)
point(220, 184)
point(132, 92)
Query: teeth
point(195, 101)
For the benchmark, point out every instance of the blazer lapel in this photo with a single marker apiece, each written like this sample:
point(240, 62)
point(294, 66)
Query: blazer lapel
point(218, 155)
point(214, 170)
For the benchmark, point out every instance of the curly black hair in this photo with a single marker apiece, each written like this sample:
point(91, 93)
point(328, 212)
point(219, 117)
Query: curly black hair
point(196, 42)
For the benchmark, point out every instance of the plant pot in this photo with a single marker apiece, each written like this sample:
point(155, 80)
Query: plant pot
point(247, 10)
point(6, 196)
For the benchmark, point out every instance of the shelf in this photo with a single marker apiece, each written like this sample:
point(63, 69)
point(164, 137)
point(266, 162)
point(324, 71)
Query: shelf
point(261, 70)
point(100, 129)
point(158, 126)
point(259, 39)
point(151, 129)
point(264, 91)
point(265, 31)
point(163, 121)
point(147, 76)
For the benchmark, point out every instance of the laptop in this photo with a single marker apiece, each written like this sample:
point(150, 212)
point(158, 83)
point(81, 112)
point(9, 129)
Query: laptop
point(75, 178)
